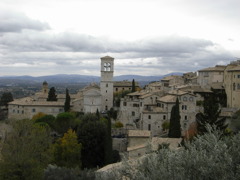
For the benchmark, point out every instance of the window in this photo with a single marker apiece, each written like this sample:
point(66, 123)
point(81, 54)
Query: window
point(13, 110)
point(141, 104)
point(106, 91)
point(185, 117)
point(33, 110)
point(191, 99)
point(106, 85)
point(238, 75)
point(164, 117)
point(106, 100)
point(238, 86)
point(124, 103)
point(184, 98)
point(133, 113)
point(116, 89)
point(149, 127)
point(135, 105)
point(18, 111)
point(106, 108)
point(234, 86)
point(184, 107)
point(22, 112)
point(149, 117)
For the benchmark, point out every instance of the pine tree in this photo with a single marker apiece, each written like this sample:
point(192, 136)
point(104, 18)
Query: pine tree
point(210, 115)
point(67, 102)
point(133, 86)
point(52, 95)
point(175, 126)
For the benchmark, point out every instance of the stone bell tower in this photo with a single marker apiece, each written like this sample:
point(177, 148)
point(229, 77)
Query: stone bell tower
point(106, 85)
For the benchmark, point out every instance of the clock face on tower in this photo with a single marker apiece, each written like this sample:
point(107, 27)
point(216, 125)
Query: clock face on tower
point(107, 66)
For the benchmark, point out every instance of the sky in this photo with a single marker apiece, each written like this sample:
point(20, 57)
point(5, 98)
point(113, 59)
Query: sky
point(146, 37)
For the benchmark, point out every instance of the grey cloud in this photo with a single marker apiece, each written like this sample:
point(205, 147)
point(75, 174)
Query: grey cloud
point(70, 50)
point(16, 22)
point(72, 42)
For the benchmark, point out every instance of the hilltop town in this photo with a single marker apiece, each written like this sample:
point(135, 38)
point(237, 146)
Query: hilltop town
point(140, 115)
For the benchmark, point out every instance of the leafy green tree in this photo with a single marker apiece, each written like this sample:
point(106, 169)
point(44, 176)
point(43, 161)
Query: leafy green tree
point(64, 121)
point(67, 102)
point(207, 157)
point(210, 115)
point(25, 151)
point(165, 125)
point(235, 122)
point(118, 124)
point(46, 120)
point(6, 98)
point(133, 86)
point(53, 172)
point(67, 151)
point(92, 135)
point(175, 126)
point(112, 113)
point(52, 95)
point(108, 157)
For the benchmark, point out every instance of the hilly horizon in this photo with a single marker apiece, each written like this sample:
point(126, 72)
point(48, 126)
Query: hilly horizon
point(75, 78)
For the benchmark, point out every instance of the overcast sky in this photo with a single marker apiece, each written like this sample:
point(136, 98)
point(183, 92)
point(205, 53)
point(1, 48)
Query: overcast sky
point(146, 37)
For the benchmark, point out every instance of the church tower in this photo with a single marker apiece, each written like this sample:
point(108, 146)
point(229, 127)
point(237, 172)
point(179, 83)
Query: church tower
point(45, 87)
point(106, 85)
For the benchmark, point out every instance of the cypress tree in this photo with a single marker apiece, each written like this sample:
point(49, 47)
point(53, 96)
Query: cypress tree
point(52, 95)
point(67, 102)
point(133, 86)
point(108, 151)
point(175, 126)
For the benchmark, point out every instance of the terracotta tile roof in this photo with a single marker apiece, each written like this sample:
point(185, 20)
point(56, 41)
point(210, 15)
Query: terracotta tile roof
point(168, 99)
point(29, 101)
point(236, 68)
point(124, 84)
point(216, 68)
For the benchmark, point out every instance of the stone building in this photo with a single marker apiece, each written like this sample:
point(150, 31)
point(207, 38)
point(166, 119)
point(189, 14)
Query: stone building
point(211, 75)
point(119, 86)
point(155, 115)
point(232, 84)
point(88, 100)
point(132, 105)
point(169, 82)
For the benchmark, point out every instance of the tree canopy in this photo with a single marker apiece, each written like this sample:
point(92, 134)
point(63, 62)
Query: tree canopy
point(25, 151)
point(211, 115)
point(175, 126)
point(67, 151)
point(6, 98)
point(67, 102)
point(52, 95)
point(133, 86)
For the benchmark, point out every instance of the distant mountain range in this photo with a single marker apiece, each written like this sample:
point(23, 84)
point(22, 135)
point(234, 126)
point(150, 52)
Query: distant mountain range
point(72, 78)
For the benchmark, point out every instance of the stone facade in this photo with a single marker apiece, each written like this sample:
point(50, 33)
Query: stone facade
point(106, 84)
point(208, 76)
point(232, 84)
point(119, 86)
point(154, 116)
